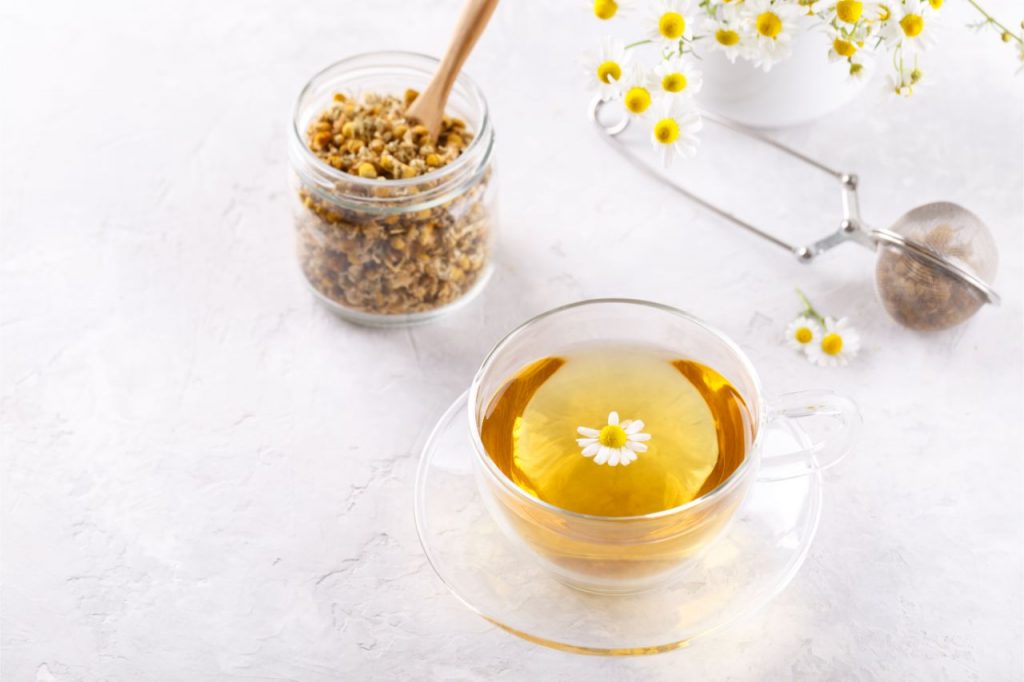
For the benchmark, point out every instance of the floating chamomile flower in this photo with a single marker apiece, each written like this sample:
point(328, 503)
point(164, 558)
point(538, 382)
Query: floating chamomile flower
point(839, 342)
point(636, 91)
point(669, 21)
point(675, 76)
point(605, 68)
point(803, 332)
point(771, 27)
point(911, 26)
point(674, 128)
point(614, 443)
point(724, 30)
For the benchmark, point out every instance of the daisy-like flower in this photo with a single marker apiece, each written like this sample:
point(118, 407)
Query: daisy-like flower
point(674, 128)
point(637, 93)
point(910, 27)
point(614, 443)
point(605, 68)
point(849, 11)
point(725, 32)
point(803, 332)
point(770, 26)
point(675, 76)
point(839, 342)
point(606, 9)
point(669, 21)
point(843, 47)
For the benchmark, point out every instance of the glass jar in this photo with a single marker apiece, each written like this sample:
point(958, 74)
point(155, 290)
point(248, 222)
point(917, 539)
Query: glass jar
point(393, 251)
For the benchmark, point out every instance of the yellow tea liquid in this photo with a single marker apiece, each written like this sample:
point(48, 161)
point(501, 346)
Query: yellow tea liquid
point(696, 430)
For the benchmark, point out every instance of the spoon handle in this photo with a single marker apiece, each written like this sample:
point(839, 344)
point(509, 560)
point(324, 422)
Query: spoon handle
point(429, 106)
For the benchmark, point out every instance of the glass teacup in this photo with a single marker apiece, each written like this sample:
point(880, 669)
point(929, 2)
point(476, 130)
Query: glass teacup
point(622, 554)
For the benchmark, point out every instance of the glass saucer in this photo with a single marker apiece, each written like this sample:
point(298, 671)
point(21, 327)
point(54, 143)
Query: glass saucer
point(755, 558)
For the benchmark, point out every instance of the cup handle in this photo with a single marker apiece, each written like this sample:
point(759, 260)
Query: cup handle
point(818, 453)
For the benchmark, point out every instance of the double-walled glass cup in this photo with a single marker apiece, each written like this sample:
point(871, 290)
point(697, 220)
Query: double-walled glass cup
point(622, 554)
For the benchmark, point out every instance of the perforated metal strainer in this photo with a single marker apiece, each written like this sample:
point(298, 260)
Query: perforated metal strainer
point(935, 264)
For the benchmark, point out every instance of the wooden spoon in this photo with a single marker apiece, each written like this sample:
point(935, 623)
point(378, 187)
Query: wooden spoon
point(428, 108)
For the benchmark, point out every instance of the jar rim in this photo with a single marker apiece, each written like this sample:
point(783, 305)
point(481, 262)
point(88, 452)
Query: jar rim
point(445, 174)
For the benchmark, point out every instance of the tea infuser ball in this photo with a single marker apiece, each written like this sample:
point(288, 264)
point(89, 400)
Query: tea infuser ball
point(935, 266)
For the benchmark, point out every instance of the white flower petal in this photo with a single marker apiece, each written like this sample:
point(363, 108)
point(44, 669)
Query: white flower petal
point(613, 458)
point(602, 455)
point(585, 441)
point(636, 447)
point(613, 418)
point(634, 426)
point(591, 449)
point(637, 437)
point(589, 433)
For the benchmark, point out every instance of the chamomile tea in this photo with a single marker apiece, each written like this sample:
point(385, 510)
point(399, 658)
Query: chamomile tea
point(617, 430)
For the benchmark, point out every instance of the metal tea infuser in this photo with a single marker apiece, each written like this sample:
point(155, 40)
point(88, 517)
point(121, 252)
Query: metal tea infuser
point(935, 264)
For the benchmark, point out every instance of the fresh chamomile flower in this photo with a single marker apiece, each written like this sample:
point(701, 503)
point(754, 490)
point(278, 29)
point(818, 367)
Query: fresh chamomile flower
point(637, 92)
point(725, 32)
point(849, 11)
point(838, 344)
point(606, 9)
point(674, 127)
point(675, 76)
point(803, 332)
point(615, 443)
point(844, 47)
point(858, 69)
point(605, 68)
point(770, 27)
point(910, 26)
point(669, 22)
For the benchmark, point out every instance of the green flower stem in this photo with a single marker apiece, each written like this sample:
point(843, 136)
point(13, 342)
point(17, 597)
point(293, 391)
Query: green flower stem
point(995, 22)
point(809, 309)
point(637, 44)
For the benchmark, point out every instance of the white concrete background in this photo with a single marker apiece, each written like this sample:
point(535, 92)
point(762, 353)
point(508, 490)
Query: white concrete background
point(206, 476)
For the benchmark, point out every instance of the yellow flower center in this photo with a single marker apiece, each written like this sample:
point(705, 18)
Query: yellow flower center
point(843, 48)
point(605, 9)
point(832, 344)
point(769, 25)
point(673, 82)
point(804, 335)
point(912, 25)
point(849, 10)
point(666, 131)
point(726, 37)
point(637, 99)
point(936, 4)
point(612, 436)
point(671, 25)
point(609, 71)
point(884, 13)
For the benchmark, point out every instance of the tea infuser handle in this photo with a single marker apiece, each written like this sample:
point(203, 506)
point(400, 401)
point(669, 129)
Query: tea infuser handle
point(819, 453)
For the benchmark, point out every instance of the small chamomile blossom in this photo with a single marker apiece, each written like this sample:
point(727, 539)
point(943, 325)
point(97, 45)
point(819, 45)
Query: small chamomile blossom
point(637, 91)
point(669, 22)
point(606, 9)
point(675, 76)
point(674, 127)
point(858, 68)
point(606, 67)
point(615, 443)
point(907, 79)
point(910, 26)
point(838, 344)
point(843, 48)
point(725, 33)
point(849, 11)
point(770, 27)
point(803, 332)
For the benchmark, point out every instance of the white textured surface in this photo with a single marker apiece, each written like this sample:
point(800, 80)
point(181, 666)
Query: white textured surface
point(207, 476)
